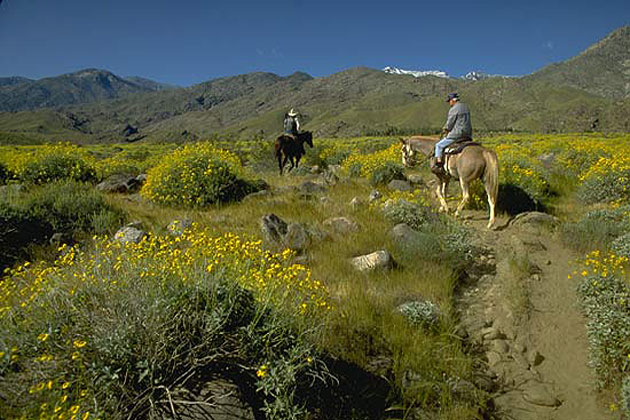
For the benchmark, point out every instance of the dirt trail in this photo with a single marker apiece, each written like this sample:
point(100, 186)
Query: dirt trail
point(527, 321)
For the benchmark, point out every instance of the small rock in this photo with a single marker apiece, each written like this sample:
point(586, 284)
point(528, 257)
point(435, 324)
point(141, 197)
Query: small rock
point(129, 234)
point(536, 277)
point(341, 225)
point(548, 262)
point(374, 195)
point(520, 347)
point(325, 200)
point(492, 333)
point(534, 358)
point(399, 185)
point(493, 358)
point(141, 179)
point(500, 346)
point(540, 395)
point(178, 226)
point(315, 169)
point(376, 260)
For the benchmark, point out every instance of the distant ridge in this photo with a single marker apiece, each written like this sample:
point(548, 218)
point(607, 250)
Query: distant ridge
point(587, 92)
point(83, 86)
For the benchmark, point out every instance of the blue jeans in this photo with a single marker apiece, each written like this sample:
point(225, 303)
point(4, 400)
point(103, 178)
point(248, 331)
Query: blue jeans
point(441, 145)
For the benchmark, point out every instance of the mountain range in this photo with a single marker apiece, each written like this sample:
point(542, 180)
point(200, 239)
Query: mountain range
point(588, 92)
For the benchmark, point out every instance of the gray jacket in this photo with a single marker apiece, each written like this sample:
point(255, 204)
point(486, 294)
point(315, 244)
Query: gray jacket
point(458, 122)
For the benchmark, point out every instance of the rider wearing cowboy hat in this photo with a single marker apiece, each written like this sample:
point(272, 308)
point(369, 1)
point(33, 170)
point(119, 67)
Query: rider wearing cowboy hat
point(291, 123)
point(457, 127)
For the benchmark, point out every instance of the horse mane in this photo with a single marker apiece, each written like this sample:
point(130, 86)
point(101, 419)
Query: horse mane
point(424, 144)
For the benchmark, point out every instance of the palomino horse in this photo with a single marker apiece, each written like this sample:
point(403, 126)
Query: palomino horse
point(474, 162)
point(290, 148)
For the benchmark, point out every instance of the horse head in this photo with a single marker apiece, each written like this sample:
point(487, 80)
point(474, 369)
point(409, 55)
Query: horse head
point(308, 138)
point(408, 153)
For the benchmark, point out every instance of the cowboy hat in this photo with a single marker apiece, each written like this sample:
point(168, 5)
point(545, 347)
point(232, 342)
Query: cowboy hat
point(292, 113)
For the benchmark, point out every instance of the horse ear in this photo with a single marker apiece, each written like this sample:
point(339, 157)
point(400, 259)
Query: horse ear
point(402, 140)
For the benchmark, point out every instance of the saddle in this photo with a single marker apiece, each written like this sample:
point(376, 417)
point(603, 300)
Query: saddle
point(459, 145)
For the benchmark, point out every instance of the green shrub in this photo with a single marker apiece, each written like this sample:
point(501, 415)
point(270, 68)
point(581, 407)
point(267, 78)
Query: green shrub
point(18, 229)
point(386, 173)
point(625, 396)
point(72, 207)
point(606, 187)
point(422, 313)
point(403, 211)
point(604, 299)
point(195, 176)
point(597, 229)
point(4, 174)
point(621, 245)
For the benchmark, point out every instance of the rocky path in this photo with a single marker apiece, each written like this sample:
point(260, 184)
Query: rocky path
point(524, 316)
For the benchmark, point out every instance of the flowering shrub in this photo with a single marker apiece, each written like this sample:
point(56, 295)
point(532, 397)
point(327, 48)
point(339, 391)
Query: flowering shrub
point(605, 297)
point(104, 332)
point(52, 162)
point(378, 167)
point(195, 176)
point(608, 180)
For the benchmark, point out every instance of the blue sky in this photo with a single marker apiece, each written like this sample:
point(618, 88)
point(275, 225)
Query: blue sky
point(189, 41)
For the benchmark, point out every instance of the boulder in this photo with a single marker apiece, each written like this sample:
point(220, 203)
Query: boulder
point(273, 228)
point(119, 183)
point(130, 233)
point(415, 179)
point(535, 219)
point(141, 179)
point(297, 237)
point(539, 394)
point(381, 259)
point(308, 189)
point(403, 234)
point(178, 226)
point(399, 185)
point(341, 225)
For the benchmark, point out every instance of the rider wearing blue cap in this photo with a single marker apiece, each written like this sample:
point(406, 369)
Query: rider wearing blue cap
point(457, 127)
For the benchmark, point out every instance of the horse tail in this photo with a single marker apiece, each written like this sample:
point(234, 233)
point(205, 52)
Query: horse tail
point(491, 174)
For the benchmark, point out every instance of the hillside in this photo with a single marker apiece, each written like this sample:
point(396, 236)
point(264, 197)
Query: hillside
point(602, 69)
point(18, 93)
point(587, 92)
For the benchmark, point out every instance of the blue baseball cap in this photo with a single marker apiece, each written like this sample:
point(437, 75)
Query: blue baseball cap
point(453, 95)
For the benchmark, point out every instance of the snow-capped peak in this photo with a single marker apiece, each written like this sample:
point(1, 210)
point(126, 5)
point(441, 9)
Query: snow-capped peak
point(416, 73)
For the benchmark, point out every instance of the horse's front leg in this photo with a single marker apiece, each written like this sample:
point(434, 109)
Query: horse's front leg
point(441, 193)
point(465, 196)
point(284, 162)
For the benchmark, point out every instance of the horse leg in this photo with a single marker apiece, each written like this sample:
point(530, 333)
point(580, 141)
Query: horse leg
point(465, 196)
point(292, 160)
point(441, 193)
point(284, 162)
point(280, 165)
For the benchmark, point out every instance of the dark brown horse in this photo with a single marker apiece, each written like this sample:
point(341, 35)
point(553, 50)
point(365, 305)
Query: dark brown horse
point(473, 162)
point(292, 148)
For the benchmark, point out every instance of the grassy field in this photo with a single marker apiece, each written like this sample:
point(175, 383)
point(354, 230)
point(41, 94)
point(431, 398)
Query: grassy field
point(102, 330)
